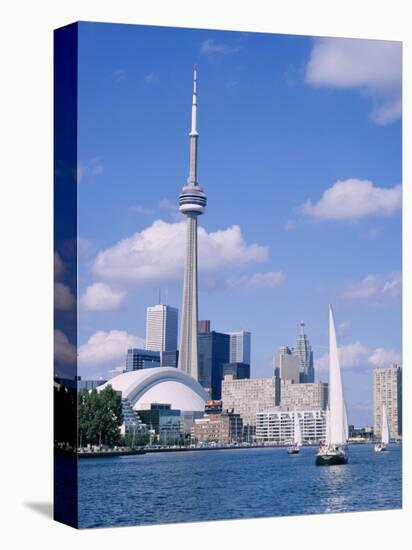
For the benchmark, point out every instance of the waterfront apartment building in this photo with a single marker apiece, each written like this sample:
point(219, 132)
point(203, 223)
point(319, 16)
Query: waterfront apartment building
point(303, 397)
point(161, 332)
point(287, 365)
point(214, 349)
point(223, 428)
point(247, 397)
point(387, 390)
point(141, 359)
point(240, 347)
point(277, 426)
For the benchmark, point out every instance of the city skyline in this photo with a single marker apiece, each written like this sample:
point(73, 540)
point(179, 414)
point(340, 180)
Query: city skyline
point(252, 261)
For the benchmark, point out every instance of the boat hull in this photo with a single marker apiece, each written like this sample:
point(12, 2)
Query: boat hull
point(333, 459)
point(293, 451)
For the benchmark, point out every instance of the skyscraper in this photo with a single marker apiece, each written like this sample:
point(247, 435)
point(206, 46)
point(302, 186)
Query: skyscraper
point(213, 354)
point(192, 203)
point(304, 351)
point(287, 365)
point(387, 390)
point(240, 344)
point(161, 328)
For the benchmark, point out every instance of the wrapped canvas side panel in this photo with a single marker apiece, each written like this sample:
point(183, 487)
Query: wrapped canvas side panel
point(65, 275)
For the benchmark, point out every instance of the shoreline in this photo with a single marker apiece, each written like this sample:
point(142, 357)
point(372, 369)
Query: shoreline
point(146, 450)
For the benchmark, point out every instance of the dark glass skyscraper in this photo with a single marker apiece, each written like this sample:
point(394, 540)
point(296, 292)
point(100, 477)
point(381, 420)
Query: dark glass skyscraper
point(214, 351)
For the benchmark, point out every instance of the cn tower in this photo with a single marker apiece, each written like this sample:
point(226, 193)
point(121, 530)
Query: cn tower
point(192, 203)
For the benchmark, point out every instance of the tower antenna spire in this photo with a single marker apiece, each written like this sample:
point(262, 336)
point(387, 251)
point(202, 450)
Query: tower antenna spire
point(192, 203)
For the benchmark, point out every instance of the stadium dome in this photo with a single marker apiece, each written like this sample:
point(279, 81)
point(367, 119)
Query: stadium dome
point(159, 385)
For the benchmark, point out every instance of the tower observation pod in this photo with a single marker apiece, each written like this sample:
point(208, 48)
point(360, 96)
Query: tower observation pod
point(192, 203)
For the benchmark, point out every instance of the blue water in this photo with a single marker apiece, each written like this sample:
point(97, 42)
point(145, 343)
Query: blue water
point(243, 483)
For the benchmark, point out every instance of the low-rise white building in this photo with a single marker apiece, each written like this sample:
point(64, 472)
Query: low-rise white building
point(277, 426)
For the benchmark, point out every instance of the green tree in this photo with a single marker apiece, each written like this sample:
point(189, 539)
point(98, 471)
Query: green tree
point(99, 417)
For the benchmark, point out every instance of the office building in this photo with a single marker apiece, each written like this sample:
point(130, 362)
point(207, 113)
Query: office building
point(213, 354)
point(247, 397)
point(237, 371)
point(287, 365)
point(192, 203)
point(303, 397)
point(161, 332)
point(277, 426)
point(304, 352)
point(204, 326)
point(240, 346)
point(387, 390)
point(165, 421)
point(223, 428)
point(137, 359)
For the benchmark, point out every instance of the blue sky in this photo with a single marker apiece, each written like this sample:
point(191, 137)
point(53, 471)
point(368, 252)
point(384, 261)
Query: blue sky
point(283, 120)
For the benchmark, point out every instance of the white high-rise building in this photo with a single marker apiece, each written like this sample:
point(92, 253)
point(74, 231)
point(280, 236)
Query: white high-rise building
point(240, 345)
point(161, 333)
point(161, 328)
point(387, 390)
point(192, 203)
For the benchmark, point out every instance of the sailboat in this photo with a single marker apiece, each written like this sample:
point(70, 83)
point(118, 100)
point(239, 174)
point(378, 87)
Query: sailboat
point(379, 447)
point(297, 436)
point(332, 451)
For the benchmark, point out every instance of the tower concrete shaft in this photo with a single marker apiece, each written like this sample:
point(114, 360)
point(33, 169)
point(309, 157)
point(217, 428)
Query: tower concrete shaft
point(192, 203)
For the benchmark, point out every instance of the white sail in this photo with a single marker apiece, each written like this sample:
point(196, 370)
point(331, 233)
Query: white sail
point(345, 421)
point(385, 427)
point(327, 427)
point(336, 402)
point(297, 432)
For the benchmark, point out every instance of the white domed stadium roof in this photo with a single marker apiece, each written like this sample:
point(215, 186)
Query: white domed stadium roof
point(159, 385)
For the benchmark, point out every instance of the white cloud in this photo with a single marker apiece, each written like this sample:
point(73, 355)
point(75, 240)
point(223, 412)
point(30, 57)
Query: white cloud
point(101, 297)
point(211, 47)
point(353, 199)
point(372, 66)
point(93, 167)
point(58, 266)
point(64, 351)
point(270, 279)
point(63, 297)
point(119, 75)
point(149, 78)
point(139, 209)
point(380, 289)
point(382, 357)
point(156, 254)
point(357, 356)
point(289, 225)
point(344, 327)
point(104, 348)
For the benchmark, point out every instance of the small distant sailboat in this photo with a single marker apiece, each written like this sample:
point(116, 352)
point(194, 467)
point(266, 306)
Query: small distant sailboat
point(379, 447)
point(332, 451)
point(297, 436)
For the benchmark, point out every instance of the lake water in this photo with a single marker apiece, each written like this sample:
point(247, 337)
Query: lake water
point(230, 484)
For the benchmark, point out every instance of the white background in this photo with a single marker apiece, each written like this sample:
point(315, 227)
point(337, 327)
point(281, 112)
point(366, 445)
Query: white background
point(26, 268)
